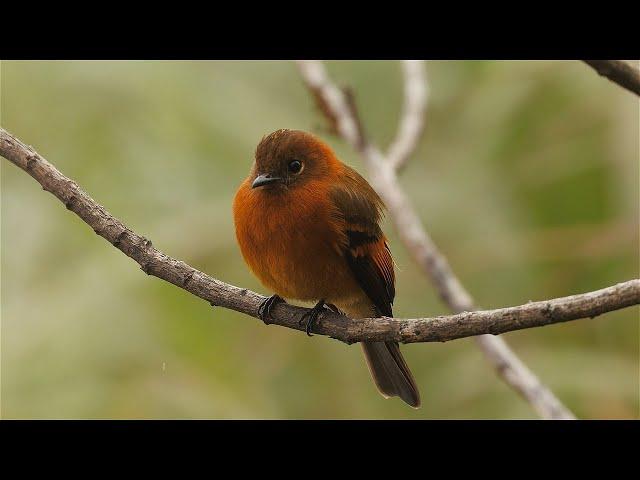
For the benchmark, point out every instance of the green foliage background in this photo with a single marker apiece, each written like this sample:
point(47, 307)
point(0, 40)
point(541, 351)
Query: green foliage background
point(527, 178)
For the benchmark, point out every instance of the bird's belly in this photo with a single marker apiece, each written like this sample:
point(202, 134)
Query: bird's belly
point(299, 262)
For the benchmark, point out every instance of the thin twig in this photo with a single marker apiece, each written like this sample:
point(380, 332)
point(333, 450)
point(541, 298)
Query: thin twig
point(412, 119)
point(619, 72)
point(384, 179)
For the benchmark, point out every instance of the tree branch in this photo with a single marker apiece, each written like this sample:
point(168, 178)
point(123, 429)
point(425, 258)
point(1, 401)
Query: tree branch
point(618, 72)
point(414, 107)
point(439, 329)
point(384, 179)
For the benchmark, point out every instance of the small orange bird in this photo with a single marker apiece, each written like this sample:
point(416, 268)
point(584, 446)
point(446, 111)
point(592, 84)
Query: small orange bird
point(308, 227)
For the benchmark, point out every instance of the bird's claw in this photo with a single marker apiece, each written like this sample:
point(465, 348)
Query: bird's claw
point(312, 314)
point(264, 310)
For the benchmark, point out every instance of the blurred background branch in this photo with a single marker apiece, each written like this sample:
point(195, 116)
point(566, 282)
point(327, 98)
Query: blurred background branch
point(619, 72)
point(383, 176)
point(411, 125)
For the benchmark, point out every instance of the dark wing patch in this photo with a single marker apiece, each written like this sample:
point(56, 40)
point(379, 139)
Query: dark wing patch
point(360, 210)
point(370, 261)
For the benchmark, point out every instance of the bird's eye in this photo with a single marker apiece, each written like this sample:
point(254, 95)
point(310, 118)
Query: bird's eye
point(295, 166)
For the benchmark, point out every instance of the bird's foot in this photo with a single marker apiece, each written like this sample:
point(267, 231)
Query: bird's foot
point(312, 314)
point(264, 310)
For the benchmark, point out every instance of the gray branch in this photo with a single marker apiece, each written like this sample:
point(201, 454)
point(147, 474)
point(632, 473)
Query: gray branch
point(438, 329)
point(411, 125)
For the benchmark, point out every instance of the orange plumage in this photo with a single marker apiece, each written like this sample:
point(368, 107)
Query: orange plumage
point(308, 227)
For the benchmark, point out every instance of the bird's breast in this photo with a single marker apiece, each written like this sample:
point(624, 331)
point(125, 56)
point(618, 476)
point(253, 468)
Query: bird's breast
point(293, 243)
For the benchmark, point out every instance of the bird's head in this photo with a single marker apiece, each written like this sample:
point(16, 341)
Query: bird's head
point(288, 159)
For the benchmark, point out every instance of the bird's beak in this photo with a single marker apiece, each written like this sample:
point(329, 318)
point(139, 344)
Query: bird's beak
point(264, 179)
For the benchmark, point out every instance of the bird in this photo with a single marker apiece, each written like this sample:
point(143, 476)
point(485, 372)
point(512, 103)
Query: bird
point(308, 227)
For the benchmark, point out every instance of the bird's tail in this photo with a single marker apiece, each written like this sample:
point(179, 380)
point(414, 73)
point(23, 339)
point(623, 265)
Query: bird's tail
point(388, 369)
point(390, 372)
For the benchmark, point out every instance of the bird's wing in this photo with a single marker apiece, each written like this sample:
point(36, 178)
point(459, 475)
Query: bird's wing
point(366, 249)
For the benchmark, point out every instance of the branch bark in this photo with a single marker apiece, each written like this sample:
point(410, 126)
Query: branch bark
point(619, 72)
point(439, 329)
point(383, 175)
